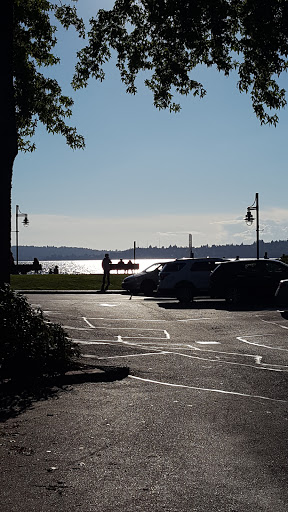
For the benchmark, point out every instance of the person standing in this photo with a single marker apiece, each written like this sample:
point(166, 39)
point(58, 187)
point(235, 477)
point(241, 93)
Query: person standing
point(106, 275)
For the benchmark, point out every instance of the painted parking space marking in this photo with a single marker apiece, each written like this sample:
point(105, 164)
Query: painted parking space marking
point(274, 323)
point(258, 364)
point(208, 342)
point(194, 319)
point(217, 360)
point(257, 344)
point(136, 338)
point(153, 341)
point(58, 313)
point(162, 352)
point(138, 332)
point(92, 342)
point(73, 328)
point(141, 338)
point(87, 322)
point(211, 390)
point(139, 320)
point(110, 305)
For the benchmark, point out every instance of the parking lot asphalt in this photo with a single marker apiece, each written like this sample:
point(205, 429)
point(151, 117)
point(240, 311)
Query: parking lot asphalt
point(198, 425)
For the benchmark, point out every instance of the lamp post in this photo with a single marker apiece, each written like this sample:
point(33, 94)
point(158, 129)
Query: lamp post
point(191, 255)
point(249, 219)
point(25, 223)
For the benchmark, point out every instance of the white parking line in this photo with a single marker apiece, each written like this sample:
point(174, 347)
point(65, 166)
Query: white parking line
point(92, 342)
point(138, 330)
point(138, 320)
point(194, 319)
point(244, 340)
point(141, 338)
point(136, 355)
point(274, 323)
point(110, 305)
point(271, 367)
point(87, 322)
point(211, 390)
point(71, 327)
point(208, 342)
point(259, 365)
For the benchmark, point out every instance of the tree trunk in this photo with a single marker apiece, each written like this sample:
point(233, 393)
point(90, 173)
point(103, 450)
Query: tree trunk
point(8, 137)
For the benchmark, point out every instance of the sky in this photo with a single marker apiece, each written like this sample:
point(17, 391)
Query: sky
point(152, 176)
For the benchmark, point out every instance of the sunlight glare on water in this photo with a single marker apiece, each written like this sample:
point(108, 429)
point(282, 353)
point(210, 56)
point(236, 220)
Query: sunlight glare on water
point(87, 266)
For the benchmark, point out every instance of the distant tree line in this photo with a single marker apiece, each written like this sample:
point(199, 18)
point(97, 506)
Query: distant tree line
point(274, 249)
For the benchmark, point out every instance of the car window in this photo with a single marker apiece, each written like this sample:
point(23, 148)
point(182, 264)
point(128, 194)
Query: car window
point(253, 267)
point(275, 267)
point(207, 266)
point(175, 266)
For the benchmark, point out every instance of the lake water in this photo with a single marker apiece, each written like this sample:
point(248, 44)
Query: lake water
point(87, 266)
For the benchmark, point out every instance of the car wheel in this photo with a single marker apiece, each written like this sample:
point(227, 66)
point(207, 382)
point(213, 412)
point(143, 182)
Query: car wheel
point(147, 287)
point(185, 294)
point(233, 296)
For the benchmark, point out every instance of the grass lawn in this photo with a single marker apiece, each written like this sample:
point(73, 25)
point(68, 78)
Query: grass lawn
point(64, 281)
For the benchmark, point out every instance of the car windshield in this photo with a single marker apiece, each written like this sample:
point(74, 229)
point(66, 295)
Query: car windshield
point(153, 267)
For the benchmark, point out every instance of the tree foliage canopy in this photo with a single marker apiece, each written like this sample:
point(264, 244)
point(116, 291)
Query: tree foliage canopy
point(38, 97)
point(167, 39)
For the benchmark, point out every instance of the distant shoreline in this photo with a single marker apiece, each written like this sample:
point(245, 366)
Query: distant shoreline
point(274, 249)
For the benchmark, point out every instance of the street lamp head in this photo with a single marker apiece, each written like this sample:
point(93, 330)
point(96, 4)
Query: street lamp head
point(249, 218)
point(25, 221)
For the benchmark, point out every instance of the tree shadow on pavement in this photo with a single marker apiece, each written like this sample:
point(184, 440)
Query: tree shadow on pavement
point(15, 398)
point(218, 305)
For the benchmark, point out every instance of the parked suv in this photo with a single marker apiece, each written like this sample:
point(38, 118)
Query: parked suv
point(144, 282)
point(186, 278)
point(281, 295)
point(247, 280)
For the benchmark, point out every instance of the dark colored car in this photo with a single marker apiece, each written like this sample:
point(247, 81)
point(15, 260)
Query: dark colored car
point(143, 282)
point(281, 297)
point(247, 280)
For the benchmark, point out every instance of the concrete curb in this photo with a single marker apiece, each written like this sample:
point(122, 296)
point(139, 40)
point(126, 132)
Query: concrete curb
point(98, 374)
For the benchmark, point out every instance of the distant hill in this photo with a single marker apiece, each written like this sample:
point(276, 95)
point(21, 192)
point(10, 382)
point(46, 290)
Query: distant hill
point(28, 253)
point(274, 249)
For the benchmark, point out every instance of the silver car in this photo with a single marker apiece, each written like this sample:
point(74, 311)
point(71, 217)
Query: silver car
point(145, 282)
point(187, 278)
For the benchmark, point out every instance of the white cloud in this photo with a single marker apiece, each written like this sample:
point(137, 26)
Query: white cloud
point(227, 222)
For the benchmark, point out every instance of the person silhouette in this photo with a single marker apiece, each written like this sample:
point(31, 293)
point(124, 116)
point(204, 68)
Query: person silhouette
point(106, 275)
